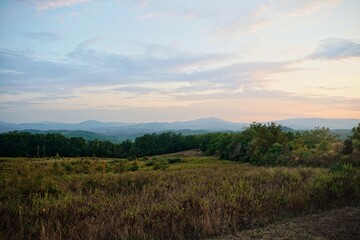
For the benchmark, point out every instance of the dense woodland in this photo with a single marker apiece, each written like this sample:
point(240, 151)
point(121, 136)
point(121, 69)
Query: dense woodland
point(263, 144)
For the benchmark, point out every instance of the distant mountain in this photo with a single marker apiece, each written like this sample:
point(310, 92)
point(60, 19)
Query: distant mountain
point(119, 130)
point(45, 126)
point(310, 123)
point(106, 127)
point(342, 133)
point(210, 124)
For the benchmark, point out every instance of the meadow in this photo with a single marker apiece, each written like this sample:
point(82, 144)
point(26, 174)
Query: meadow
point(165, 197)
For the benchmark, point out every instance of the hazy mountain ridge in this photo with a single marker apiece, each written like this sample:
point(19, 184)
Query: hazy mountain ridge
point(210, 124)
point(309, 123)
point(105, 127)
point(118, 131)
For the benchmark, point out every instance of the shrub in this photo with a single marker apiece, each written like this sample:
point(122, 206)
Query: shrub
point(149, 163)
point(161, 164)
point(134, 166)
point(174, 160)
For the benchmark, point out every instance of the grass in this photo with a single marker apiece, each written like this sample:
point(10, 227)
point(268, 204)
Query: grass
point(190, 198)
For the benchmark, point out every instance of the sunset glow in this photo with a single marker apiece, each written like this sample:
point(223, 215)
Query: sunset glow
point(139, 61)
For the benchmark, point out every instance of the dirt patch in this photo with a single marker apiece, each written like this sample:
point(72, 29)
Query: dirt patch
point(339, 224)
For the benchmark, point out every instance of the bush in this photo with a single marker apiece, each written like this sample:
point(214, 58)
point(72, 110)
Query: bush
point(174, 160)
point(149, 163)
point(341, 167)
point(161, 164)
point(134, 166)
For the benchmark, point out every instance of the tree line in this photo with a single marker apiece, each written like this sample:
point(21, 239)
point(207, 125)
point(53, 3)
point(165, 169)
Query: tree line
point(262, 144)
point(269, 144)
point(24, 144)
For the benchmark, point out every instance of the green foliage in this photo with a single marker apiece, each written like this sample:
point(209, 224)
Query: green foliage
point(168, 142)
point(150, 163)
point(259, 144)
point(161, 164)
point(134, 166)
point(341, 167)
point(174, 160)
point(316, 147)
point(268, 144)
point(352, 143)
point(24, 144)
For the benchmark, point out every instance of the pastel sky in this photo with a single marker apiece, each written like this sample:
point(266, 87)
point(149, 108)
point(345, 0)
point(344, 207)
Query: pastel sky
point(169, 60)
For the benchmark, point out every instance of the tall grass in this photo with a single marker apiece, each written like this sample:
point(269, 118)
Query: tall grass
point(93, 200)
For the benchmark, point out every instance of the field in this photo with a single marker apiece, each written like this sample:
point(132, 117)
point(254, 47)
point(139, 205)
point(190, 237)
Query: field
point(165, 197)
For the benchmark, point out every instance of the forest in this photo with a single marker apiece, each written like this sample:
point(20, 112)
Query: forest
point(260, 144)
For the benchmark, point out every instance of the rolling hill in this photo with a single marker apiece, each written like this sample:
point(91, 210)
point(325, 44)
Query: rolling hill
point(119, 131)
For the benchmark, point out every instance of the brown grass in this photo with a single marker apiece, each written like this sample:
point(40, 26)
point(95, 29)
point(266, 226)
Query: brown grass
point(91, 200)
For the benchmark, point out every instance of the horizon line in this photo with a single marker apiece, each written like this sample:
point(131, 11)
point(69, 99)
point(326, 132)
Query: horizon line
point(196, 119)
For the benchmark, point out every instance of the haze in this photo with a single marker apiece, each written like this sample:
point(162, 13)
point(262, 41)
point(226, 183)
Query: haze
point(139, 61)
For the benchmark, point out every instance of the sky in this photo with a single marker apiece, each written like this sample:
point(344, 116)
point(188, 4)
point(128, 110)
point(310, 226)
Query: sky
point(177, 60)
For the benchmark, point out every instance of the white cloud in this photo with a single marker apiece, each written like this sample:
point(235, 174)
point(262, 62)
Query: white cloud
point(43, 5)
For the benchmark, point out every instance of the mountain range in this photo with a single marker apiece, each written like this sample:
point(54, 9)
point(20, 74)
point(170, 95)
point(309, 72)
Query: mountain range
point(118, 131)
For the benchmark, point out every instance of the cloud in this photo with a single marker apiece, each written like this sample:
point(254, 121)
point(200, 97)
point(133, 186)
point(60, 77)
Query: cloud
point(160, 77)
point(87, 43)
point(271, 13)
point(332, 49)
point(43, 36)
point(150, 85)
point(138, 90)
point(21, 72)
point(177, 13)
point(156, 60)
point(324, 88)
point(86, 67)
point(94, 76)
point(44, 5)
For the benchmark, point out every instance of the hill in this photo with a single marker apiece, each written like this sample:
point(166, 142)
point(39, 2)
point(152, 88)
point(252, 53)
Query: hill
point(119, 131)
point(309, 123)
point(209, 124)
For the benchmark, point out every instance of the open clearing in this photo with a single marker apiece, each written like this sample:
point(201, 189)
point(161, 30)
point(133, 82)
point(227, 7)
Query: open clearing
point(173, 198)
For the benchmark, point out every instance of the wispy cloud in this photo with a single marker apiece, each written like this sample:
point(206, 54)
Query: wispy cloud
point(43, 36)
point(169, 74)
point(138, 90)
point(180, 14)
point(158, 78)
point(20, 72)
point(86, 67)
point(43, 5)
point(332, 49)
point(271, 13)
point(324, 88)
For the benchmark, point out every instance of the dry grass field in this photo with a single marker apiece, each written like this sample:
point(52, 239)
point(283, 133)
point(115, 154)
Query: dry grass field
point(166, 197)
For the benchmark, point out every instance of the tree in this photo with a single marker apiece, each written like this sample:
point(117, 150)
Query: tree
point(352, 143)
point(258, 142)
point(355, 138)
